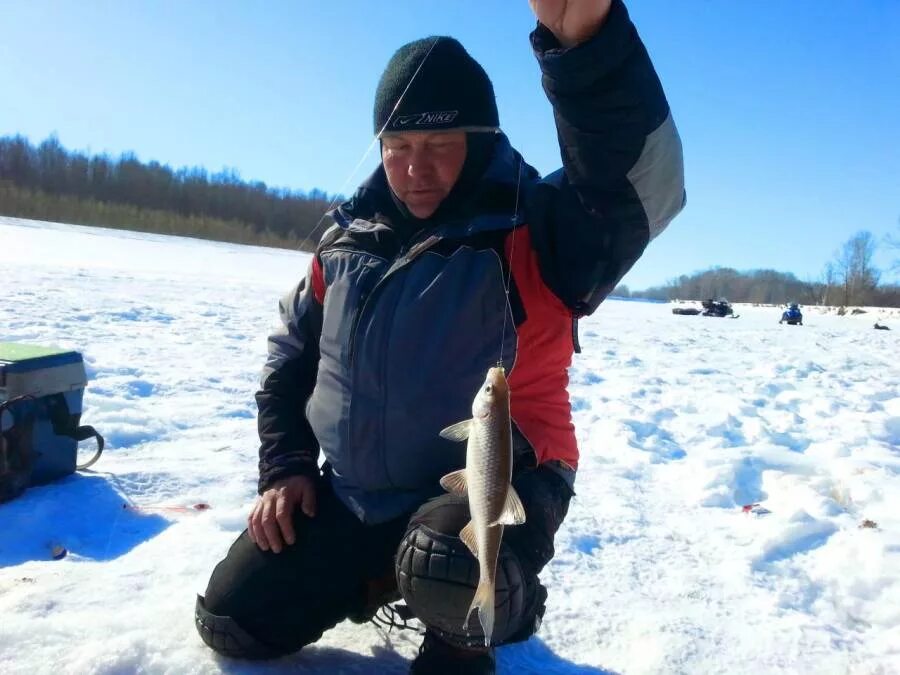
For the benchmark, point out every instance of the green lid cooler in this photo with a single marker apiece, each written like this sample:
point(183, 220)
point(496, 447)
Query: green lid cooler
point(41, 392)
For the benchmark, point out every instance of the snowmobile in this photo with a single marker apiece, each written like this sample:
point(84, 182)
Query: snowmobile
point(792, 316)
point(720, 308)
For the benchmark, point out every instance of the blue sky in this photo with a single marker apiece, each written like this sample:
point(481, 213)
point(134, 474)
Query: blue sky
point(789, 112)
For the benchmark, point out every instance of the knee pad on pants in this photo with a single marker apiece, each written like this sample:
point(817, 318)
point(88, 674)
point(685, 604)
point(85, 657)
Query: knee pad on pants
point(224, 635)
point(437, 576)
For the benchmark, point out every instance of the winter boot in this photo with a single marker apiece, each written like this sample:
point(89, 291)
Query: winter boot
point(437, 657)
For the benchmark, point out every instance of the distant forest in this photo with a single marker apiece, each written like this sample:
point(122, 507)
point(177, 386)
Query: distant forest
point(766, 287)
point(48, 182)
point(849, 279)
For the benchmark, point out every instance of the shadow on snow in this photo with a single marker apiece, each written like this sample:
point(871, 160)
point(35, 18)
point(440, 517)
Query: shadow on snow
point(83, 513)
point(533, 657)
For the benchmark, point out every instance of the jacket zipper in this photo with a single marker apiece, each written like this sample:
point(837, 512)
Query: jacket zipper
point(406, 257)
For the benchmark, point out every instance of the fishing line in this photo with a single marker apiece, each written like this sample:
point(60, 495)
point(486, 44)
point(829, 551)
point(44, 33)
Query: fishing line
point(515, 216)
point(377, 138)
point(512, 249)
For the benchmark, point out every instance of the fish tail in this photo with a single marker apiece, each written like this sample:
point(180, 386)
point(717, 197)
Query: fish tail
point(484, 603)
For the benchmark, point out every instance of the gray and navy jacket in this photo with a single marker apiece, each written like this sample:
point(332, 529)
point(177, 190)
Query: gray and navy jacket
point(387, 339)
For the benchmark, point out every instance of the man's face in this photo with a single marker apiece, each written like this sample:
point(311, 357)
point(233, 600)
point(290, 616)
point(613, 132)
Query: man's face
point(422, 167)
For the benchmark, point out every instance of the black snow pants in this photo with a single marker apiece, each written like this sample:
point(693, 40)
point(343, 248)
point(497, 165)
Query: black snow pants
point(260, 604)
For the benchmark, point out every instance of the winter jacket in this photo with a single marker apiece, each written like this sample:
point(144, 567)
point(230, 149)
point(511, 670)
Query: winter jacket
point(386, 340)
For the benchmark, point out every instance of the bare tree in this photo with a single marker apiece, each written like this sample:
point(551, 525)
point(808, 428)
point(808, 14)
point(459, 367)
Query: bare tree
point(813, 292)
point(829, 282)
point(892, 242)
point(856, 272)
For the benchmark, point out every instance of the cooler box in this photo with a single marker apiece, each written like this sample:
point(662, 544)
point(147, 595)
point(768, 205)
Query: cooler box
point(41, 391)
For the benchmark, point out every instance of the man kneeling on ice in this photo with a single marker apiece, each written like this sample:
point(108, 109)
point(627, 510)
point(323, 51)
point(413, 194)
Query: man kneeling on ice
point(453, 257)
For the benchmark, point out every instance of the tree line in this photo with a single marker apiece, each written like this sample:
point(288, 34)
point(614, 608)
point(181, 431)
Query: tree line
point(125, 192)
point(850, 278)
point(49, 182)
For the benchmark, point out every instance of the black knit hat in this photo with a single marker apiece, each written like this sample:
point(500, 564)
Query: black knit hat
point(450, 90)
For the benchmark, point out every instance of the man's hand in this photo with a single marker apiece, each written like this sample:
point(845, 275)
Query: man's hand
point(571, 21)
point(271, 524)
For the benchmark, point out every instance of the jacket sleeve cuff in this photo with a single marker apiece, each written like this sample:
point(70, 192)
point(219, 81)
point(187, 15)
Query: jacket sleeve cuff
point(574, 68)
point(286, 467)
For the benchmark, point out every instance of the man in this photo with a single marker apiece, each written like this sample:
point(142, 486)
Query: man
point(452, 256)
point(792, 315)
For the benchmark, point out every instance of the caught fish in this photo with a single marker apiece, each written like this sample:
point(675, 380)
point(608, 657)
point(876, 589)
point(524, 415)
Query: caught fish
point(493, 501)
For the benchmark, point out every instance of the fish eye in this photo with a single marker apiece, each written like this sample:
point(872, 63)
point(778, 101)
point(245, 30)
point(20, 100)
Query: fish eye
point(488, 389)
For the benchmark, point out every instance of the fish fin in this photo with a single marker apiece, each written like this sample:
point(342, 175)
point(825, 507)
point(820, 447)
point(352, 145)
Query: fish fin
point(457, 432)
point(467, 534)
point(513, 512)
point(455, 482)
point(484, 602)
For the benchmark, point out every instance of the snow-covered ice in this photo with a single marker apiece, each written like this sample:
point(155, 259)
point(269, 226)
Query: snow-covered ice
point(682, 420)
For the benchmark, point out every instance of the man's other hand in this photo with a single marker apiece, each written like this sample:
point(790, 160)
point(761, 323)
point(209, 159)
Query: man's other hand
point(271, 522)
